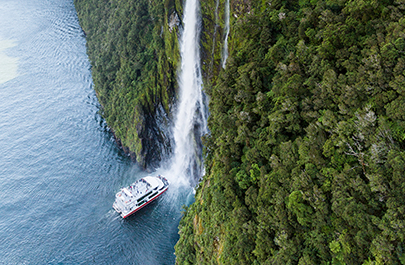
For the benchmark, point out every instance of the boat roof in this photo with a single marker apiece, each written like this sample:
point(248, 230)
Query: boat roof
point(153, 181)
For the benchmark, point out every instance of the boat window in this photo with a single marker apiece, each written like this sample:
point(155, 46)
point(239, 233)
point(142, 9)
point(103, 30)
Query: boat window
point(153, 195)
point(144, 196)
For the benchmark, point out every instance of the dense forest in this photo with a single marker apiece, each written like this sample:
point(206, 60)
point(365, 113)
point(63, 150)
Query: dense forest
point(133, 49)
point(305, 159)
point(306, 152)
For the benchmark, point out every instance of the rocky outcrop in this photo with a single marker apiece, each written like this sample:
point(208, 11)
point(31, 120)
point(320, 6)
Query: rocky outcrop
point(174, 21)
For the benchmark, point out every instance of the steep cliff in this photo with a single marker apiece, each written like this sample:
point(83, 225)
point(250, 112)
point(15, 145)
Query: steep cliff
point(133, 49)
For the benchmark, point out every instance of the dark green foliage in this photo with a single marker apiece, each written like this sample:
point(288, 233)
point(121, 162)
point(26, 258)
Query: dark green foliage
point(134, 57)
point(305, 158)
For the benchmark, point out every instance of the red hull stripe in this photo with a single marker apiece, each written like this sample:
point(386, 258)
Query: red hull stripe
point(151, 200)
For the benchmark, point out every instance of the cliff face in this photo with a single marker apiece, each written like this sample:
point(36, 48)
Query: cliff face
point(133, 49)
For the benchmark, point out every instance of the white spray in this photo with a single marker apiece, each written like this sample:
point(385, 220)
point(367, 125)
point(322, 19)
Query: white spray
point(191, 119)
point(225, 50)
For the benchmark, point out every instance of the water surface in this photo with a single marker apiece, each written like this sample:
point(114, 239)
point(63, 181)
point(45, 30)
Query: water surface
point(59, 165)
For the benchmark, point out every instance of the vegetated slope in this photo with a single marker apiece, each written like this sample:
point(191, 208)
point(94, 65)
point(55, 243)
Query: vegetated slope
point(305, 160)
point(133, 49)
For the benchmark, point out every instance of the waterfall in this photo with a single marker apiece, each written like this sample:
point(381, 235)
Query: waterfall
point(191, 116)
point(225, 50)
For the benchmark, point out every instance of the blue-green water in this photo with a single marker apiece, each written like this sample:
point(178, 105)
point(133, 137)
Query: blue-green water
point(59, 165)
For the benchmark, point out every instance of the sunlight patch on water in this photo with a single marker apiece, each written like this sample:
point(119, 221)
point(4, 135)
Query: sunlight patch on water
point(8, 65)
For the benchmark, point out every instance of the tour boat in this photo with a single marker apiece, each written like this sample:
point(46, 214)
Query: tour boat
point(133, 198)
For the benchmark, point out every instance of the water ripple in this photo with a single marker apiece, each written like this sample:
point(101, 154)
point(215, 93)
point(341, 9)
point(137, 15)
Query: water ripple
point(60, 168)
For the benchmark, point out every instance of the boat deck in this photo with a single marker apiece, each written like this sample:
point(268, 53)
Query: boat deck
point(132, 198)
point(137, 190)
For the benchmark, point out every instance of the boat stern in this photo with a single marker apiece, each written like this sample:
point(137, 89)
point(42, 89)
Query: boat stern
point(116, 208)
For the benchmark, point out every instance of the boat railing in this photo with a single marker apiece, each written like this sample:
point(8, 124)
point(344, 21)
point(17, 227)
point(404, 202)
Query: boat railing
point(163, 179)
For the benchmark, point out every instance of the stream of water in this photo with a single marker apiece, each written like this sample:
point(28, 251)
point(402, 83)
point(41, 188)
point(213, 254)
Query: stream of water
point(191, 117)
point(225, 52)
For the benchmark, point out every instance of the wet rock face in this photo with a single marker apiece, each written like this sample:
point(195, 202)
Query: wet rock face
point(174, 21)
point(156, 137)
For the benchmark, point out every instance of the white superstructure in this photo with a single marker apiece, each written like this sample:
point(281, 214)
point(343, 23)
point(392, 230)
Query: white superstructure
point(134, 197)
